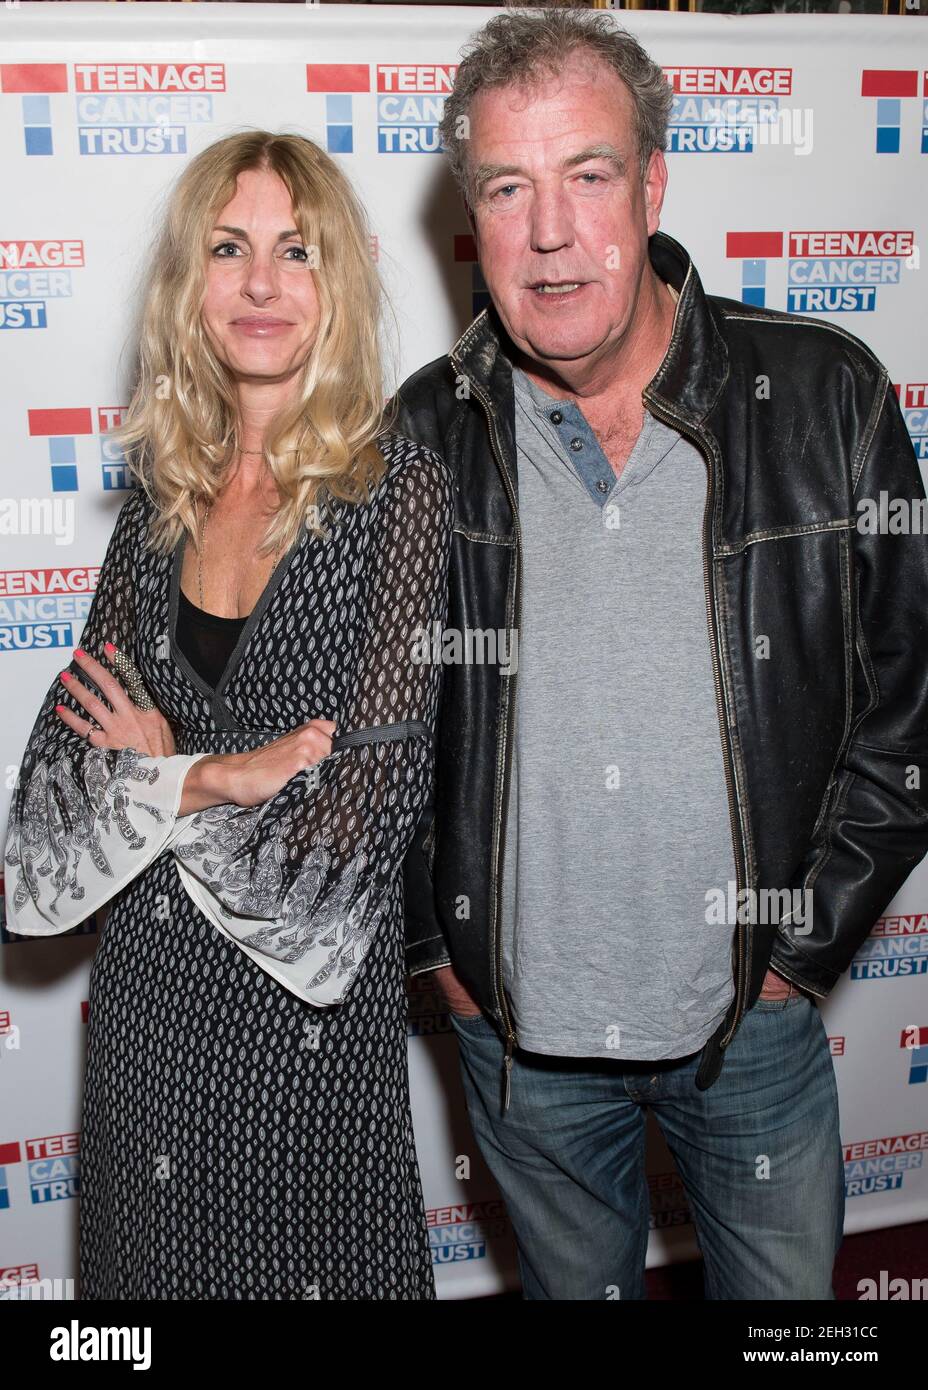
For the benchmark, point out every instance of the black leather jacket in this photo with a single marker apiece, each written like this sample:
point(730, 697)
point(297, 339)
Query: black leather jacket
point(825, 739)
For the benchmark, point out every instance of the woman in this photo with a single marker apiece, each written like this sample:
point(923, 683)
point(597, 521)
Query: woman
point(246, 1122)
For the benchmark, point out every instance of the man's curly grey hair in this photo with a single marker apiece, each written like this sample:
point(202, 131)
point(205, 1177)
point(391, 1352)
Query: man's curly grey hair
point(525, 46)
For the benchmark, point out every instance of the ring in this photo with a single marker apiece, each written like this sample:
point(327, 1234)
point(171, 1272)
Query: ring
point(131, 678)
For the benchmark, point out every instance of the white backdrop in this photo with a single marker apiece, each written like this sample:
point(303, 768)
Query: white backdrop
point(783, 126)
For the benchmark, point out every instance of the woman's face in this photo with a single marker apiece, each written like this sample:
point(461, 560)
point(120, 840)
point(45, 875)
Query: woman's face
point(261, 310)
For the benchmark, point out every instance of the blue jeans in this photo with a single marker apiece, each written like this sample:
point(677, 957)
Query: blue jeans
point(759, 1154)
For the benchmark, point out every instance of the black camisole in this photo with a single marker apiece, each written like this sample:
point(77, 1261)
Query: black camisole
point(206, 639)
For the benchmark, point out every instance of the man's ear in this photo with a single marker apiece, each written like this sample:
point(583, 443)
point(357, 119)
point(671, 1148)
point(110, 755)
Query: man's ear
point(655, 186)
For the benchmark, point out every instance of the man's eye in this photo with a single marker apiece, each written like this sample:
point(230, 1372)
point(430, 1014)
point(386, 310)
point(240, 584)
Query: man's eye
point(503, 189)
point(588, 174)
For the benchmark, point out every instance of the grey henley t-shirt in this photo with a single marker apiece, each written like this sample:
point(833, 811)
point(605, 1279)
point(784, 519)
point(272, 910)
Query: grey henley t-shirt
point(618, 819)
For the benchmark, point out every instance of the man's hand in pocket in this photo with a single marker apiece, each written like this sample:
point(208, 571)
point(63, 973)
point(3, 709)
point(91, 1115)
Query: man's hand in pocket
point(775, 987)
point(454, 994)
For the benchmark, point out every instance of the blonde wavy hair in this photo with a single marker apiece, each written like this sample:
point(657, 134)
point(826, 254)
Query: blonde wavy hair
point(180, 426)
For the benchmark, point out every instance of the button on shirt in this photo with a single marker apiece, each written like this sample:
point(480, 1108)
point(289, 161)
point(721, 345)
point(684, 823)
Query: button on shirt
point(618, 818)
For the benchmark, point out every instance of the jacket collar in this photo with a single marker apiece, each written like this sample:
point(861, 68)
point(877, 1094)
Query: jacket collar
point(690, 376)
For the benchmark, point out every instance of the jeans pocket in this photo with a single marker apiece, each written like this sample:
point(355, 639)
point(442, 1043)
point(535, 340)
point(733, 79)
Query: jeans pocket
point(472, 1025)
point(789, 1001)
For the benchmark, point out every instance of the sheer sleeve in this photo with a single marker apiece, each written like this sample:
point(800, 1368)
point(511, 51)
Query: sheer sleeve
point(302, 882)
point(85, 821)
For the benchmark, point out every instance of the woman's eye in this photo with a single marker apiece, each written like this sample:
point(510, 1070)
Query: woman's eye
point(229, 251)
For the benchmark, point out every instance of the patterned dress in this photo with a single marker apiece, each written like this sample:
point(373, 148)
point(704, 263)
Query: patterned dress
point(246, 1127)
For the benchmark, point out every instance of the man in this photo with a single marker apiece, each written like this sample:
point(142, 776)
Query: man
point(718, 700)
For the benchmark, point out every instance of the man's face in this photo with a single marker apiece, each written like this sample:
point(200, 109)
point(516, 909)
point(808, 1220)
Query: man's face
point(547, 212)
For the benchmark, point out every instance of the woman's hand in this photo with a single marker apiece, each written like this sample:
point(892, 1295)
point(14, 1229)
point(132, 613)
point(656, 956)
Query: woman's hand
point(244, 779)
point(122, 726)
point(248, 779)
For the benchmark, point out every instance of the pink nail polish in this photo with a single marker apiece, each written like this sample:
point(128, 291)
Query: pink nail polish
point(65, 676)
point(108, 647)
point(78, 651)
point(59, 708)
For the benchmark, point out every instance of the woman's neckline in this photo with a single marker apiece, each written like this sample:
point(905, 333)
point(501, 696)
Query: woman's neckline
point(208, 617)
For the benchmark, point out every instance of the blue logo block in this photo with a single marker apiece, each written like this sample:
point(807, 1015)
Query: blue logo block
point(39, 139)
point(339, 139)
point(64, 477)
point(338, 110)
point(754, 272)
point(61, 449)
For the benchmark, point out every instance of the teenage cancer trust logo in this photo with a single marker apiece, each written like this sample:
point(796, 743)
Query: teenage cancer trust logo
point(32, 273)
point(732, 110)
point(914, 1041)
point(887, 89)
point(913, 400)
point(827, 272)
point(52, 1167)
point(880, 1164)
point(143, 108)
point(896, 949)
point(122, 108)
point(41, 608)
point(61, 428)
point(410, 100)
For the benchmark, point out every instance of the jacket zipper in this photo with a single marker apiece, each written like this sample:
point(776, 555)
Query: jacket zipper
point(500, 829)
point(741, 951)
